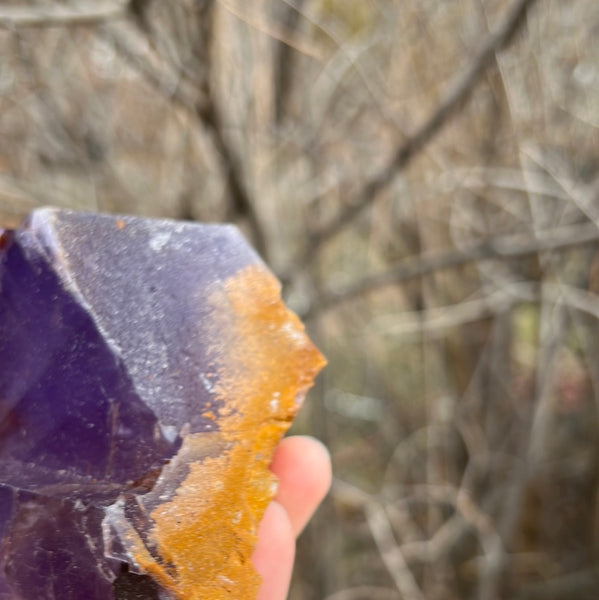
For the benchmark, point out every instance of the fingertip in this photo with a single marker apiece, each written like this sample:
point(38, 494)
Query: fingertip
point(303, 467)
point(275, 553)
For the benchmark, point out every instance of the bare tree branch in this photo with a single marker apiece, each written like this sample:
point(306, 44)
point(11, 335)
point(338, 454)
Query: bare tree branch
point(174, 87)
point(391, 553)
point(81, 14)
point(209, 113)
point(439, 545)
point(509, 246)
point(434, 320)
point(284, 33)
point(196, 97)
point(459, 90)
point(284, 58)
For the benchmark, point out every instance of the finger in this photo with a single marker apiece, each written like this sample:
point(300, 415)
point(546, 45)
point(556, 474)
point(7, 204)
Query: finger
point(303, 467)
point(275, 552)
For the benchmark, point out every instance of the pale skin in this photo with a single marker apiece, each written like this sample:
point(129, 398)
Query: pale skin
point(303, 468)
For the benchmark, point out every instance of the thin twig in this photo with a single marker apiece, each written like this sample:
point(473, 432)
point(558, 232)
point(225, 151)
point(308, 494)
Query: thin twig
point(171, 85)
point(196, 98)
point(390, 552)
point(439, 545)
point(365, 592)
point(81, 14)
point(459, 90)
point(432, 320)
point(504, 247)
point(286, 35)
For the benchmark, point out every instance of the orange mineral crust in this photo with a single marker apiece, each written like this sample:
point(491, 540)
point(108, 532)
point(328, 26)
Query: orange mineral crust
point(202, 536)
point(148, 369)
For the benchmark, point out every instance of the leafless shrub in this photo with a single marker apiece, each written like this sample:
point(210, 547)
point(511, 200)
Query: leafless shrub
point(424, 177)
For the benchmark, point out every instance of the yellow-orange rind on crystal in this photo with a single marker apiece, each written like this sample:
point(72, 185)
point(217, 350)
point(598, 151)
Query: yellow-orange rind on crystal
point(204, 534)
point(147, 370)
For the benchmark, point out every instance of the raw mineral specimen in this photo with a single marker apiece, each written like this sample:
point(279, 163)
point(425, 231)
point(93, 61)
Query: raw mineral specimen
point(147, 370)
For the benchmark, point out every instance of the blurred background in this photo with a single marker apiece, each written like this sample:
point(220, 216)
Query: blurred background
point(423, 176)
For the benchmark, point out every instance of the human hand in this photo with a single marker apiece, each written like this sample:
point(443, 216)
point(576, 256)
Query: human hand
point(303, 467)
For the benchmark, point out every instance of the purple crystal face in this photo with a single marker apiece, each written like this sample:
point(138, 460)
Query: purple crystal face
point(103, 363)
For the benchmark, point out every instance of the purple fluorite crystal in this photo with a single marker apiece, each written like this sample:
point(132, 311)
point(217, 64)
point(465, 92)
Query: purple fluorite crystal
point(103, 363)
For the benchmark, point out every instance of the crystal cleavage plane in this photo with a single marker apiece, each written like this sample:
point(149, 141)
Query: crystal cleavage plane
point(148, 368)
